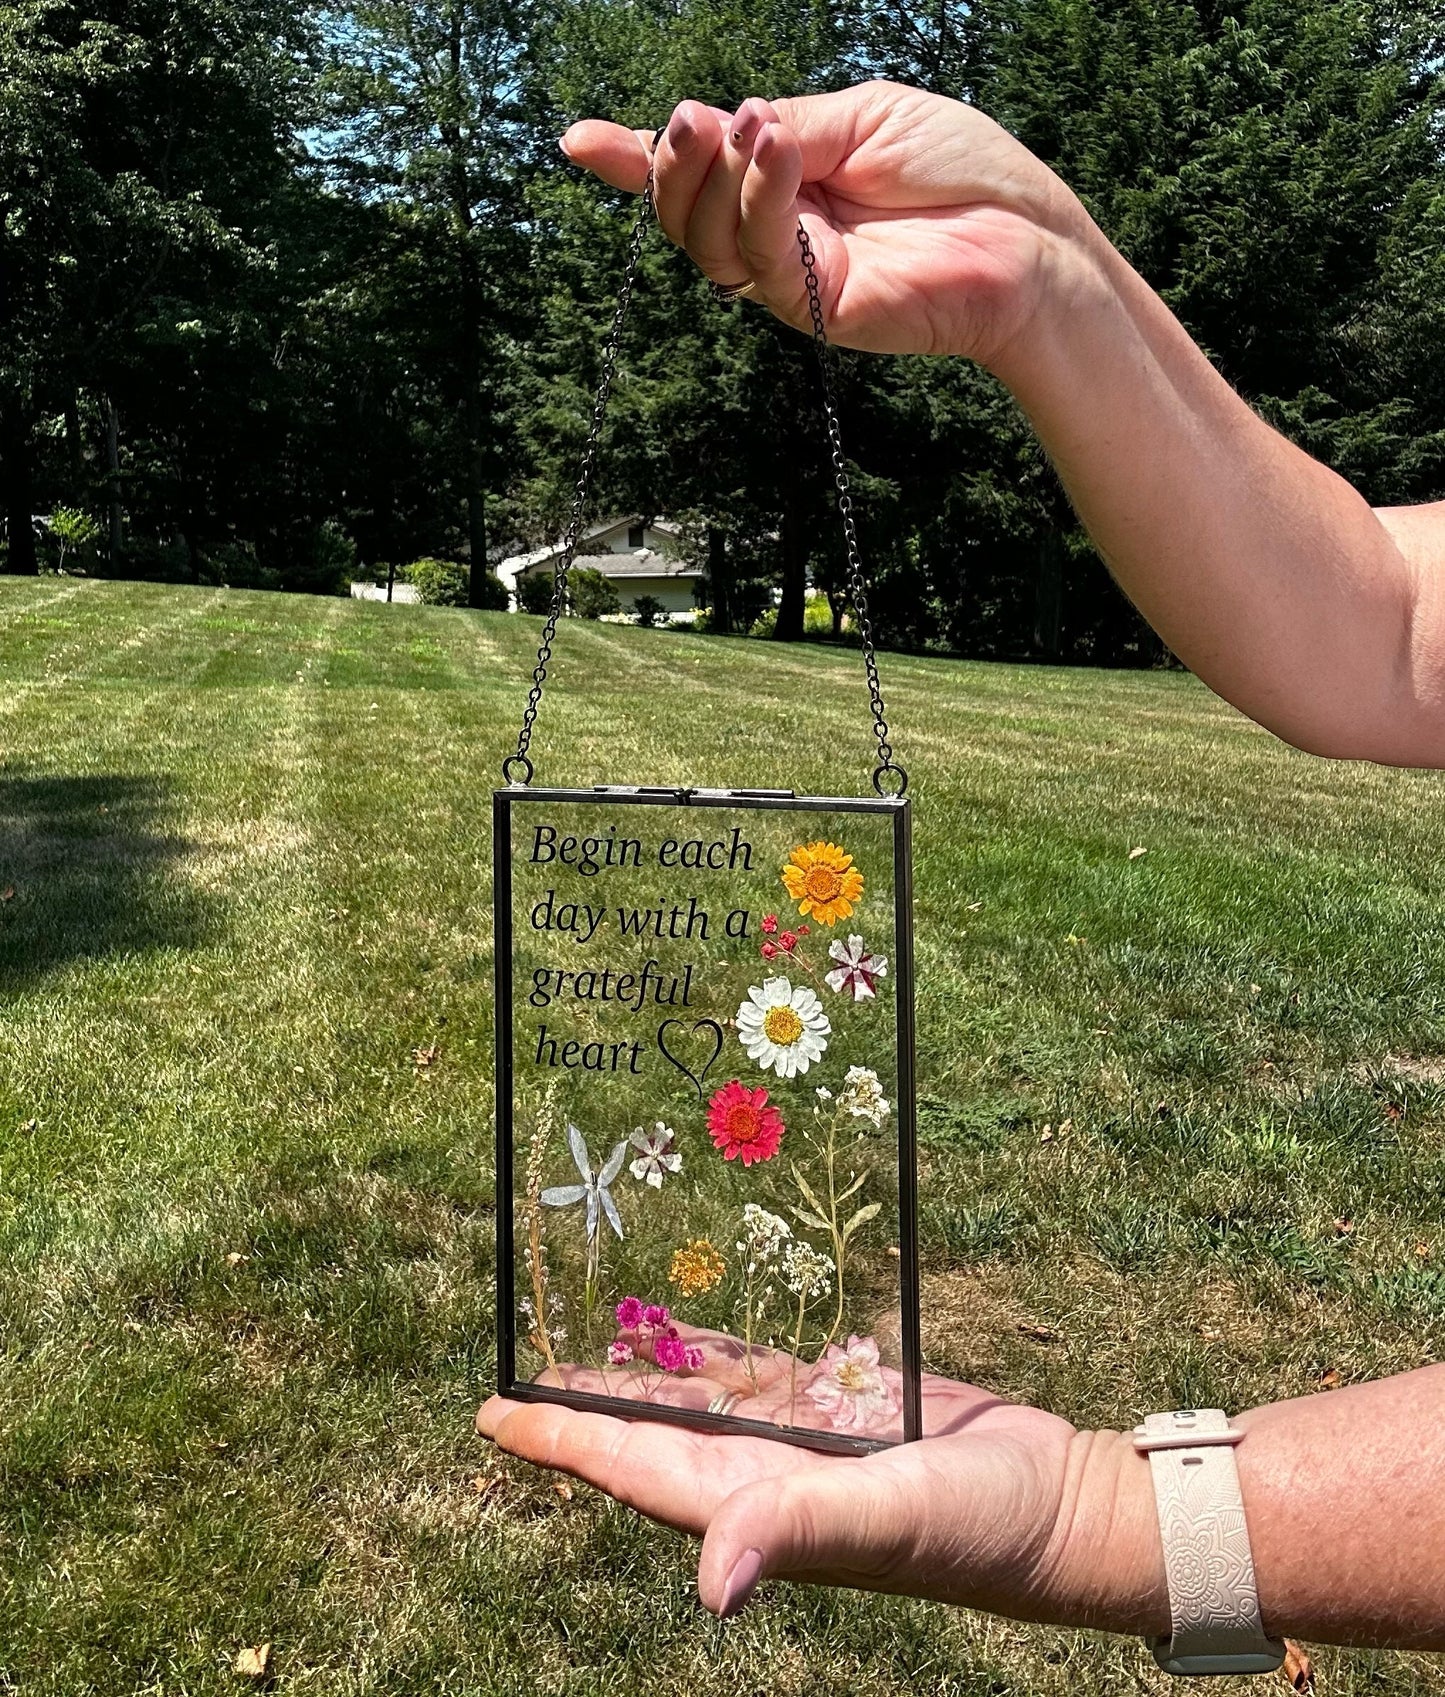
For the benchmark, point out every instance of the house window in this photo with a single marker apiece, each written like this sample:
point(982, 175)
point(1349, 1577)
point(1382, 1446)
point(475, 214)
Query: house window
point(634, 536)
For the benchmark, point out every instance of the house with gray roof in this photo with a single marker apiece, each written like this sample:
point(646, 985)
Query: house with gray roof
point(639, 556)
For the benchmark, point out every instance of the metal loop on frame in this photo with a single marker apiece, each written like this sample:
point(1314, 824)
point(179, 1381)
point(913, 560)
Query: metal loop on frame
point(889, 778)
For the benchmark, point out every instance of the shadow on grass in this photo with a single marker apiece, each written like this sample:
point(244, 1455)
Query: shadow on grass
point(84, 873)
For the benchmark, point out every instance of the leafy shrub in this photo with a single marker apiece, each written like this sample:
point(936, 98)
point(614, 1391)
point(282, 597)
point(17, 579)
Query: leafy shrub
point(318, 559)
point(534, 592)
point(493, 593)
point(440, 583)
point(152, 559)
point(649, 610)
point(593, 595)
point(234, 566)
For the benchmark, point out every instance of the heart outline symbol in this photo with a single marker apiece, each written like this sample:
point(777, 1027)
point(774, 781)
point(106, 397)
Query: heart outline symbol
point(695, 1078)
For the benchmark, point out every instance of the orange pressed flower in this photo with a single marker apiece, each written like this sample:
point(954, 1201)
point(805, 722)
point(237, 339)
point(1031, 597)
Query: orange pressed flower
point(823, 881)
point(696, 1268)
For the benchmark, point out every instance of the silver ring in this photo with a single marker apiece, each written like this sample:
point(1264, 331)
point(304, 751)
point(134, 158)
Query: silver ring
point(724, 1402)
point(726, 293)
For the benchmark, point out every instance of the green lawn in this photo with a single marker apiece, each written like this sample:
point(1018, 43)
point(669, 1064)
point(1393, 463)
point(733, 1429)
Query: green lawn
point(1182, 1122)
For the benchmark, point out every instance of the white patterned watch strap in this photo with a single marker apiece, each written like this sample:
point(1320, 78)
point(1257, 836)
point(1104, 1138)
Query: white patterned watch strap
point(1213, 1598)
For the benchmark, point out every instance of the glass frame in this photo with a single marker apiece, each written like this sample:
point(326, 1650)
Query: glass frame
point(504, 804)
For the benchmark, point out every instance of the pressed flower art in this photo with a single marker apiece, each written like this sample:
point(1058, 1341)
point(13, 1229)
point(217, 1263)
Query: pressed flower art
point(823, 881)
point(707, 1018)
point(849, 1387)
point(744, 1124)
point(656, 1154)
point(696, 1268)
point(857, 972)
point(783, 1027)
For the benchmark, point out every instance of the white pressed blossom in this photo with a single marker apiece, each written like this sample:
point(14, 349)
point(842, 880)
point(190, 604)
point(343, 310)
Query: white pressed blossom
point(807, 1272)
point(856, 971)
point(763, 1233)
point(657, 1155)
point(594, 1186)
point(782, 1028)
point(849, 1387)
point(862, 1096)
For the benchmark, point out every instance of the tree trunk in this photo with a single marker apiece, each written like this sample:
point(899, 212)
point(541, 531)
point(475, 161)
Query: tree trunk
point(719, 579)
point(789, 627)
point(112, 466)
point(19, 499)
point(1049, 596)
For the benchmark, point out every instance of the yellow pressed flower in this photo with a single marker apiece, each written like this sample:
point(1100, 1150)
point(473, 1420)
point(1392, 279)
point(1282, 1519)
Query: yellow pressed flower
point(823, 881)
point(696, 1268)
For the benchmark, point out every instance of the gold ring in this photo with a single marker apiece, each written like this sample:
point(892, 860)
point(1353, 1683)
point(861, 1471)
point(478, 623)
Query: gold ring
point(727, 293)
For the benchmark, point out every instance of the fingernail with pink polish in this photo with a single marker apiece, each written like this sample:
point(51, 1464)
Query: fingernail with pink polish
point(740, 1583)
point(745, 123)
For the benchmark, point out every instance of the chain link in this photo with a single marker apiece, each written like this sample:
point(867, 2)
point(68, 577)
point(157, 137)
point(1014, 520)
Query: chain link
point(520, 762)
point(889, 778)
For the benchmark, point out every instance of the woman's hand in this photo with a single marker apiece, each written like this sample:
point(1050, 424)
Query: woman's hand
point(935, 232)
point(1000, 1507)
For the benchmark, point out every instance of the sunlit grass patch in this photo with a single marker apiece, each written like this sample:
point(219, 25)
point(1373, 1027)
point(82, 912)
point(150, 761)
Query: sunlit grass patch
point(1182, 1124)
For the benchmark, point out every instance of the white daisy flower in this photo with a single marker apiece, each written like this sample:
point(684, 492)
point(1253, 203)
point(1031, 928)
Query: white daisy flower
point(782, 1028)
point(657, 1154)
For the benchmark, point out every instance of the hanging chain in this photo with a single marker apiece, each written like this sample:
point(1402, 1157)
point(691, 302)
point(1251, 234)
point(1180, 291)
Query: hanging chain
point(520, 762)
point(889, 778)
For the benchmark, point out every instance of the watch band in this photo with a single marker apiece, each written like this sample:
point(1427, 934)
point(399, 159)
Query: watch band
point(1214, 1618)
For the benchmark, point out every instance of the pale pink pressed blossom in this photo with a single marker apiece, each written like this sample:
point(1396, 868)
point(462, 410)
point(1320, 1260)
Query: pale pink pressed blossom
point(619, 1353)
point(857, 971)
point(693, 1358)
point(670, 1354)
point(848, 1386)
point(629, 1313)
point(655, 1314)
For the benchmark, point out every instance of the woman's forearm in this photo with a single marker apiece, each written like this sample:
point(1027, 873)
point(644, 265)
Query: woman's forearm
point(1264, 571)
point(1345, 1512)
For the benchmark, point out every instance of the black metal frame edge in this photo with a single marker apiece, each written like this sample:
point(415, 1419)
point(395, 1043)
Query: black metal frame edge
point(831, 1443)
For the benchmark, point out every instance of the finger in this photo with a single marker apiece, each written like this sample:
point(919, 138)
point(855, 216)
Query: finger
point(712, 225)
point(684, 157)
point(845, 1521)
point(768, 224)
point(618, 156)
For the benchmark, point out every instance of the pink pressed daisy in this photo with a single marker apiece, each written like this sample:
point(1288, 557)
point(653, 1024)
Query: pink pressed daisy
point(742, 1122)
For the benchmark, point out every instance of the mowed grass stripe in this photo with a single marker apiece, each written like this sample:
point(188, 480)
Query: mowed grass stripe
point(1181, 1132)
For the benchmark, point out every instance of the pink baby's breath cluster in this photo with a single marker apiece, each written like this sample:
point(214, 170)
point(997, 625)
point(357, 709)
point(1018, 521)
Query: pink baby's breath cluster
point(652, 1322)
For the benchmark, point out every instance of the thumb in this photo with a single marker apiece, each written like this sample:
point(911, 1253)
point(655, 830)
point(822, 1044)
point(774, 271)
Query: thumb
point(843, 1523)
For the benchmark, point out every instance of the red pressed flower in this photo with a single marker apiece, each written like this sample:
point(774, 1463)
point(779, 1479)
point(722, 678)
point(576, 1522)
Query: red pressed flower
point(770, 923)
point(803, 930)
point(742, 1122)
point(789, 940)
point(769, 950)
